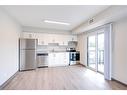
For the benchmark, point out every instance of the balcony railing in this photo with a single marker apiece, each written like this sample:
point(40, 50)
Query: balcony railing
point(92, 56)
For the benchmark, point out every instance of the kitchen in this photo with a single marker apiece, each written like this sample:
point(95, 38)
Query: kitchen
point(58, 50)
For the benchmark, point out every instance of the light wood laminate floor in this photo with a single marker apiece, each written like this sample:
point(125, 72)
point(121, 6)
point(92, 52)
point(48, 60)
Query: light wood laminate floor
point(61, 78)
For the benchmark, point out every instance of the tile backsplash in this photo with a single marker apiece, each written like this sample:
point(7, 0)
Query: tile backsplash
point(42, 48)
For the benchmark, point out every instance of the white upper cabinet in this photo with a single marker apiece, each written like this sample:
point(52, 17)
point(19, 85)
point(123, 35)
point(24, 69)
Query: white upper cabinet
point(63, 40)
point(29, 35)
point(44, 39)
point(72, 38)
point(41, 40)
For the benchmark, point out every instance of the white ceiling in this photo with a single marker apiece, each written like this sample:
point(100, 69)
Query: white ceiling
point(33, 15)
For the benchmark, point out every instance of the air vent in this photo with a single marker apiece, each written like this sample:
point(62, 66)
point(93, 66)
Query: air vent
point(91, 21)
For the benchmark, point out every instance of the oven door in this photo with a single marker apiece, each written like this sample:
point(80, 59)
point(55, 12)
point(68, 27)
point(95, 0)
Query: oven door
point(72, 58)
point(77, 56)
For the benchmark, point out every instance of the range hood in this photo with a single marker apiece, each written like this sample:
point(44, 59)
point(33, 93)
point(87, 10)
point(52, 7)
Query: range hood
point(72, 43)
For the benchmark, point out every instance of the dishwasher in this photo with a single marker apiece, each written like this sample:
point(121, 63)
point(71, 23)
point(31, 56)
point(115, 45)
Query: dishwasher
point(42, 60)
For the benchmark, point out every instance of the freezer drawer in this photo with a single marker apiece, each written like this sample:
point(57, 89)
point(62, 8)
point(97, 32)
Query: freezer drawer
point(27, 59)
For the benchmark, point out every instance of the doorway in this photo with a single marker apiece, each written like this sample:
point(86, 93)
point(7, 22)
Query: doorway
point(95, 51)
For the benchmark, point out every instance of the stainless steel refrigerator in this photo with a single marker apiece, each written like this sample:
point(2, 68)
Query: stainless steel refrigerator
point(27, 54)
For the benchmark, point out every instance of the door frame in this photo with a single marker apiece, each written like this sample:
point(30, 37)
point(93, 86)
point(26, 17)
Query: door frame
point(91, 34)
point(97, 51)
point(95, 32)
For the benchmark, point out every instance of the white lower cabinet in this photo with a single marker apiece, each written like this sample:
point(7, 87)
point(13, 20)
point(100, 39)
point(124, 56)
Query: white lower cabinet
point(58, 59)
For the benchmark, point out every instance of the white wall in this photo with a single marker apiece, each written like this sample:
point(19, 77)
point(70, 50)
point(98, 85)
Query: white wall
point(118, 15)
point(82, 47)
point(119, 65)
point(119, 68)
point(9, 57)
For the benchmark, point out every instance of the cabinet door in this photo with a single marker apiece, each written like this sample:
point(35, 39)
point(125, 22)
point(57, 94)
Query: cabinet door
point(29, 35)
point(60, 59)
point(42, 39)
point(67, 58)
point(56, 38)
point(73, 38)
point(63, 40)
point(57, 59)
point(34, 35)
point(54, 60)
point(48, 38)
point(64, 59)
point(51, 60)
point(26, 35)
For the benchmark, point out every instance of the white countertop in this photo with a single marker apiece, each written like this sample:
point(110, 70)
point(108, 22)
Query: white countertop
point(51, 51)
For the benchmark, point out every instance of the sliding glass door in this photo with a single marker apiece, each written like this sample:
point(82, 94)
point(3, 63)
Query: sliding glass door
point(100, 52)
point(95, 51)
point(91, 52)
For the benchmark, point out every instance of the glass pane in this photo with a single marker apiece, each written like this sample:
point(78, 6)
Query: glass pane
point(101, 52)
point(92, 52)
point(91, 43)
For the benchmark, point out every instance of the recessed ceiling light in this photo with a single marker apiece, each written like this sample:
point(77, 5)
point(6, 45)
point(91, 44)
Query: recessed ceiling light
point(56, 22)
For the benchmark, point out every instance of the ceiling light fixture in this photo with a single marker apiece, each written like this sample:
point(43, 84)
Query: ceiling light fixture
point(56, 22)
